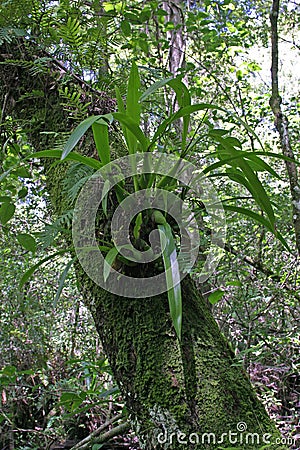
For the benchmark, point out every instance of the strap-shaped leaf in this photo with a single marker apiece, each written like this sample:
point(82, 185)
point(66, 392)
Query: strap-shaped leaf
point(108, 262)
point(134, 129)
point(79, 131)
point(62, 280)
point(100, 132)
point(133, 106)
point(72, 156)
point(27, 275)
point(169, 255)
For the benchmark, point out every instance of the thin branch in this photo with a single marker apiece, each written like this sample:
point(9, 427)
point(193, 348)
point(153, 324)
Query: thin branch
point(94, 436)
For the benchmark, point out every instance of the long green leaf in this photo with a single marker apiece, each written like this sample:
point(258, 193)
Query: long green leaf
point(109, 260)
point(169, 255)
point(72, 156)
point(62, 280)
point(255, 187)
point(154, 87)
point(121, 109)
point(32, 269)
point(134, 129)
point(79, 131)
point(253, 215)
point(133, 106)
point(100, 132)
point(183, 99)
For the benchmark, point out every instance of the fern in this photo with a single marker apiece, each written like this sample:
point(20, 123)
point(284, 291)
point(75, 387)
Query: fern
point(72, 33)
point(8, 34)
point(40, 65)
point(76, 176)
point(61, 139)
point(74, 105)
point(51, 231)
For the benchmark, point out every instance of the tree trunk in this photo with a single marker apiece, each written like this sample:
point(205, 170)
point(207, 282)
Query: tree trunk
point(189, 395)
point(282, 126)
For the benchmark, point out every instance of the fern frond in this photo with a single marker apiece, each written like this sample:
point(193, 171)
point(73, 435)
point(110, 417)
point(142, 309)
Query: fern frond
point(72, 33)
point(8, 34)
point(77, 109)
point(76, 176)
point(51, 231)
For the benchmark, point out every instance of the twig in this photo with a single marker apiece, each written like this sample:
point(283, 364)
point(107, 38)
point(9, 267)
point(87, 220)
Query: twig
point(94, 436)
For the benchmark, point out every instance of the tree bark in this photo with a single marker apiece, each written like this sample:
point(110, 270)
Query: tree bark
point(282, 125)
point(178, 395)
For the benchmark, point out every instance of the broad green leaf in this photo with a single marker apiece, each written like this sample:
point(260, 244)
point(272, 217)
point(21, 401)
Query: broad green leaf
point(9, 371)
point(79, 131)
point(100, 132)
point(72, 156)
point(22, 172)
point(126, 28)
point(234, 283)
point(62, 280)
point(7, 211)
point(22, 193)
point(109, 260)
point(27, 241)
point(169, 255)
point(134, 129)
point(216, 296)
point(27, 275)
point(5, 199)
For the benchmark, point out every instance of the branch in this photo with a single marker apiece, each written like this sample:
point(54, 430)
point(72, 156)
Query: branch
point(95, 438)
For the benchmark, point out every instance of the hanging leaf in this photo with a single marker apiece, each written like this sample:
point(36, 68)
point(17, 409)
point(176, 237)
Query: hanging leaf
point(72, 156)
point(7, 211)
point(27, 241)
point(251, 214)
point(27, 275)
point(108, 262)
point(169, 255)
point(62, 280)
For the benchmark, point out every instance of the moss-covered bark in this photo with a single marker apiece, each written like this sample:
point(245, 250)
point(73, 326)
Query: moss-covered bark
point(176, 394)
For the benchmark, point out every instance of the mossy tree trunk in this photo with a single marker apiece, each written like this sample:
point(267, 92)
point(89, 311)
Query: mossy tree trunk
point(176, 394)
